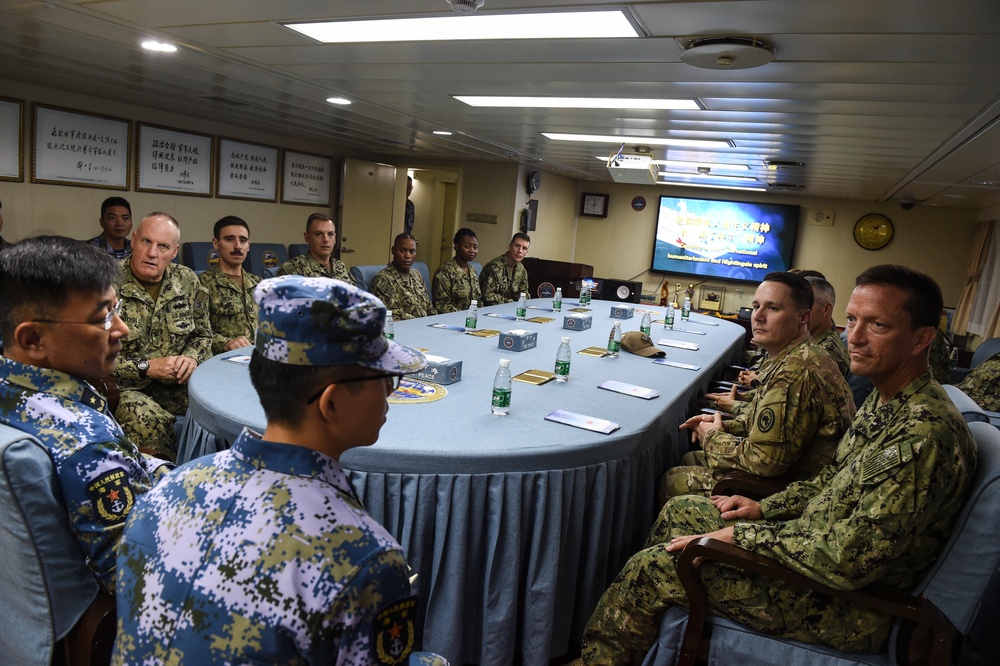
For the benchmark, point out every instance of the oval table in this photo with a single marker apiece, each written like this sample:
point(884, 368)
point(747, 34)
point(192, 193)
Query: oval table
point(515, 524)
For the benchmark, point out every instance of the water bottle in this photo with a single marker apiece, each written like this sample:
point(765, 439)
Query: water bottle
point(615, 340)
point(389, 330)
point(953, 358)
point(472, 316)
point(686, 309)
point(557, 300)
point(668, 319)
point(522, 307)
point(563, 357)
point(585, 294)
point(647, 324)
point(501, 389)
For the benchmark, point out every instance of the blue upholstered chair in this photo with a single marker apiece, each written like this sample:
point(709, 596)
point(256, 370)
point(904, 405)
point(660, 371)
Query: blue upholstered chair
point(51, 599)
point(425, 273)
point(986, 349)
point(199, 256)
point(944, 606)
point(297, 249)
point(363, 275)
point(966, 405)
point(265, 256)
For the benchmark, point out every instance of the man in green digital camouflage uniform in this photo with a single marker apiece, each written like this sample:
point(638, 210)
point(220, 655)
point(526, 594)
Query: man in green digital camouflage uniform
point(231, 308)
point(982, 384)
point(321, 235)
point(166, 310)
point(940, 358)
point(504, 278)
point(401, 289)
point(879, 515)
point(823, 331)
point(264, 553)
point(455, 284)
point(799, 412)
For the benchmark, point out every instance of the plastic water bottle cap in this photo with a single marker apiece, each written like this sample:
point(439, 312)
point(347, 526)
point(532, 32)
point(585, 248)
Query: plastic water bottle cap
point(565, 339)
point(505, 363)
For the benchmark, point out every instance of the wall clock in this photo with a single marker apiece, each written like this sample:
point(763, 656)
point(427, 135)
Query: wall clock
point(594, 205)
point(873, 231)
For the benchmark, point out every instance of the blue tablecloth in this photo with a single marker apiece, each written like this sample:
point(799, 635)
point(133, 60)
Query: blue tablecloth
point(515, 524)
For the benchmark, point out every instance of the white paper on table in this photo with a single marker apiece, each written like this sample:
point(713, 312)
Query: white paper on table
point(583, 421)
point(629, 389)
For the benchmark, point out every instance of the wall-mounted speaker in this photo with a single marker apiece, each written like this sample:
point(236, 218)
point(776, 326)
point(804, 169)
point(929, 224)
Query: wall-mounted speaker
point(623, 291)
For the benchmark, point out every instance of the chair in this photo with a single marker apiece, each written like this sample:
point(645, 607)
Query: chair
point(966, 405)
point(199, 256)
point(425, 274)
point(478, 266)
point(53, 610)
point(297, 249)
point(265, 255)
point(363, 275)
point(943, 607)
point(986, 349)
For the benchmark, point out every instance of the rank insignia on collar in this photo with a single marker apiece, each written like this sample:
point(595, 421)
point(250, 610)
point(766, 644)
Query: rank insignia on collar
point(111, 496)
point(394, 631)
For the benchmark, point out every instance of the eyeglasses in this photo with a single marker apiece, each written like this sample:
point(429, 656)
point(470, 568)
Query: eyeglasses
point(385, 375)
point(104, 323)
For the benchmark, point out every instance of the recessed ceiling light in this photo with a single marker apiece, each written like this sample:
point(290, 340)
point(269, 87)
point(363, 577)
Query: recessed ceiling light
point(714, 176)
point(695, 165)
point(159, 47)
point(611, 138)
point(342, 101)
point(714, 187)
point(442, 132)
point(542, 25)
point(578, 102)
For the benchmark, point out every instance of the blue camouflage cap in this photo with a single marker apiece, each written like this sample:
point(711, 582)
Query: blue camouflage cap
point(323, 322)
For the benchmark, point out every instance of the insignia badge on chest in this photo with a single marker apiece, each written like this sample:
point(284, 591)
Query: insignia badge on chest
point(395, 631)
point(879, 462)
point(111, 496)
point(766, 419)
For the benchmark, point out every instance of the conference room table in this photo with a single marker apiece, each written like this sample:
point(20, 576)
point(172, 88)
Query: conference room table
point(515, 524)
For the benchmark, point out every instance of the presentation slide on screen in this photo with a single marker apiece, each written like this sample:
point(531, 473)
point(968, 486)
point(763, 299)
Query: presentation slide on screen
point(726, 239)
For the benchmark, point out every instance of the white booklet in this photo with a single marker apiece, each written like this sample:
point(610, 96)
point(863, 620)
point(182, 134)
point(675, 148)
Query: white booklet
point(629, 389)
point(679, 344)
point(583, 421)
point(675, 364)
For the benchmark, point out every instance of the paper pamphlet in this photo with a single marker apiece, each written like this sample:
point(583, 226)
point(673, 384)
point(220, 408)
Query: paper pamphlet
point(242, 360)
point(583, 421)
point(675, 364)
point(629, 389)
point(679, 344)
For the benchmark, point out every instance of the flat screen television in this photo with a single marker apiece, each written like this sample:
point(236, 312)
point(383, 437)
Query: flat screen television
point(726, 240)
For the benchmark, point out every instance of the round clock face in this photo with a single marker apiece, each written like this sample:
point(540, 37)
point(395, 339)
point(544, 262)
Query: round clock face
point(873, 231)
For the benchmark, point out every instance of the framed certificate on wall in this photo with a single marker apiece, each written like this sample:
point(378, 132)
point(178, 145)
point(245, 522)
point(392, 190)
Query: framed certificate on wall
point(73, 148)
point(169, 160)
point(247, 171)
point(306, 179)
point(11, 139)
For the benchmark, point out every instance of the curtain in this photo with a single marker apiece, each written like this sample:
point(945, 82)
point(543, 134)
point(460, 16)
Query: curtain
point(982, 315)
point(973, 273)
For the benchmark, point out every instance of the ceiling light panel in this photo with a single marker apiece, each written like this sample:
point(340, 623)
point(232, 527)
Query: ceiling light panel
point(578, 102)
point(643, 140)
point(540, 25)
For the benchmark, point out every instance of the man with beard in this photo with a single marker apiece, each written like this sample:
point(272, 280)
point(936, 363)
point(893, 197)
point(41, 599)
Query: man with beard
point(231, 308)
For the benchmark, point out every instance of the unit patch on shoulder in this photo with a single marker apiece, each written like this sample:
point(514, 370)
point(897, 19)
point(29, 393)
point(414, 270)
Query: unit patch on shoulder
point(111, 496)
point(394, 631)
point(766, 419)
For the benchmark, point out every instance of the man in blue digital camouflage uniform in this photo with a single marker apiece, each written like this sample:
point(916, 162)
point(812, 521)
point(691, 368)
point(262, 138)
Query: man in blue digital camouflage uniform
point(60, 326)
point(878, 515)
point(264, 553)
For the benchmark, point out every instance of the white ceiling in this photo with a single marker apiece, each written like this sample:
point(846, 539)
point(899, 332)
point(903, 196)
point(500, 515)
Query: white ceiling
point(880, 99)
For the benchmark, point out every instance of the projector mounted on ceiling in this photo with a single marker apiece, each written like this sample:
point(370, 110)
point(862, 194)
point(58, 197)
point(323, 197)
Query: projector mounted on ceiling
point(634, 169)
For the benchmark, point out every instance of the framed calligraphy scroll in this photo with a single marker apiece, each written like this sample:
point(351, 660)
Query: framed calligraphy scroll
point(247, 171)
point(169, 160)
point(306, 179)
point(72, 148)
point(11, 139)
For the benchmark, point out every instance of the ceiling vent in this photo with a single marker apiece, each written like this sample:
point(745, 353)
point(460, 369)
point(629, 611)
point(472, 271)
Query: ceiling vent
point(778, 165)
point(466, 6)
point(787, 187)
point(725, 52)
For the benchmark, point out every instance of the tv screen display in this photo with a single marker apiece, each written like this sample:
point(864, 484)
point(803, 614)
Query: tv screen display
point(728, 240)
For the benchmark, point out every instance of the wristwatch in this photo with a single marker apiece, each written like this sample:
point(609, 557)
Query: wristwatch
point(142, 366)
